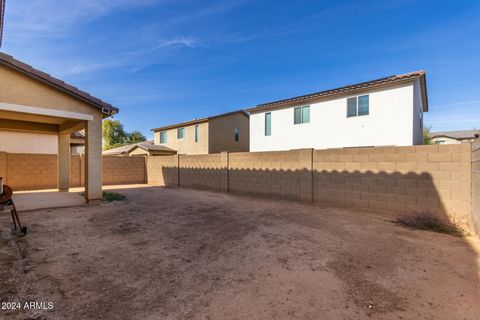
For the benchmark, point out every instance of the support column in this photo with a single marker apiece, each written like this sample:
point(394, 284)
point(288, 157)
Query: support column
point(93, 160)
point(63, 161)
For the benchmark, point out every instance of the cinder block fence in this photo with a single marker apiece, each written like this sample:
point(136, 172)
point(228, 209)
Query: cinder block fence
point(24, 171)
point(431, 178)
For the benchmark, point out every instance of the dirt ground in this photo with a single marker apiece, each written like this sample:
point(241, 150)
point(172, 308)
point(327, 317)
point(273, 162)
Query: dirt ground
point(185, 254)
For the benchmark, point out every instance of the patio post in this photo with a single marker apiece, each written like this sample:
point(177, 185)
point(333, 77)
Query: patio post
point(63, 161)
point(93, 160)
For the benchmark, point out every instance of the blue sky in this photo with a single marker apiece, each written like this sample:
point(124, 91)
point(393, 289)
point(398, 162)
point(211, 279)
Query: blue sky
point(166, 61)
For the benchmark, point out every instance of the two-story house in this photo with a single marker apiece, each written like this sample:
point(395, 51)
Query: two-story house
point(382, 112)
point(214, 134)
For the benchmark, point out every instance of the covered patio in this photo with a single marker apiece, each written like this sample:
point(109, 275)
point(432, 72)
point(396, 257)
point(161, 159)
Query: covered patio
point(33, 101)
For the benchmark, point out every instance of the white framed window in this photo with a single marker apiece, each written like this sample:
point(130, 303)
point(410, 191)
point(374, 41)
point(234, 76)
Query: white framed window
point(301, 115)
point(358, 106)
point(180, 133)
point(163, 136)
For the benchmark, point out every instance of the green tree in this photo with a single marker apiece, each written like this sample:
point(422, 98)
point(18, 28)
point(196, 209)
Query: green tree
point(426, 136)
point(135, 137)
point(114, 135)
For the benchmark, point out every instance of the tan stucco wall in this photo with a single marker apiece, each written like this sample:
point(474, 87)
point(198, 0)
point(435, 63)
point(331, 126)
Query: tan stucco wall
point(17, 88)
point(28, 142)
point(139, 152)
point(215, 136)
point(187, 145)
point(221, 136)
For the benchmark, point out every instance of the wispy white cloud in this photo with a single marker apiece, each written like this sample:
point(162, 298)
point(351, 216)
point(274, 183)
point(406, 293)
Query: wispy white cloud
point(47, 17)
point(135, 60)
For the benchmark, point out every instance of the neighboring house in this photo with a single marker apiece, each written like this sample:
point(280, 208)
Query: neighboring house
point(387, 111)
point(145, 148)
point(39, 143)
point(224, 132)
point(454, 137)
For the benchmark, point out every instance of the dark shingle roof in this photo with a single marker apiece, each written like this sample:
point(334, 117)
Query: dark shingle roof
point(58, 84)
point(309, 98)
point(458, 134)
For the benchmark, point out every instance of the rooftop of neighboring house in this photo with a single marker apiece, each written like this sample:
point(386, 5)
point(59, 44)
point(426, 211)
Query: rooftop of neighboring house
point(17, 65)
point(350, 89)
point(458, 134)
point(200, 120)
point(145, 145)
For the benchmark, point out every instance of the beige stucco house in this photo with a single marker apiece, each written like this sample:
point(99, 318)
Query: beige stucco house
point(454, 137)
point(145, 148)
point(32, 101)
point(224, 132)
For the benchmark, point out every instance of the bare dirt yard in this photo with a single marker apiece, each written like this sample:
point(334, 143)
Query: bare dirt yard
point(185, 254)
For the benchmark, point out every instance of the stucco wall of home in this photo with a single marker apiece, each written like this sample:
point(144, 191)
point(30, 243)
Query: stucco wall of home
point(19, 89)
point(445, 140)
point(389, 123)
point(418, 115)
point(20, 142)
point(23, 171)
point(434, 178)
point(221, 133)
point(187, 145)
point(476, 184)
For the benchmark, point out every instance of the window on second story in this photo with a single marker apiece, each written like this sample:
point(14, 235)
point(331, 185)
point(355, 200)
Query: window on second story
point(236, 134)
point(163, 136)
point(358, 106)
point(301, 115)
point(268, 124)
point(180, 133)
point(196, 133)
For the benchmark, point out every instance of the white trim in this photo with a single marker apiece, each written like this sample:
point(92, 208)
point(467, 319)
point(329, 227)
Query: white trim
point(45, 111)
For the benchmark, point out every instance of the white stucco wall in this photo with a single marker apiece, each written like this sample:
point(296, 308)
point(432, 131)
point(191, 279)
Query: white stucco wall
point(27, 142)
point(417, 113)
point(390, 122)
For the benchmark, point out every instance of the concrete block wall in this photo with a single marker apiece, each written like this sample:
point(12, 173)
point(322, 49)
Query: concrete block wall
point(270, 174)
point(434, 179)
point(476, 184)
point(123, 170)
point(203, 172)
point(31, 171)
point(23, 171)
point(163, 171)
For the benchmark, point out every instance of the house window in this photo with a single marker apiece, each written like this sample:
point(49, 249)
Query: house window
point(268, 124)
point(163, 136)
point(180, 133)
point(301, 115)
point(440, 141)
point(421, 120)
point(196, 133)
point(358, 106)
point(236, 134)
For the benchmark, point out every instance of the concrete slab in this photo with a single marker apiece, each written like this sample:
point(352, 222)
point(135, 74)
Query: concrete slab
point(29, 201)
